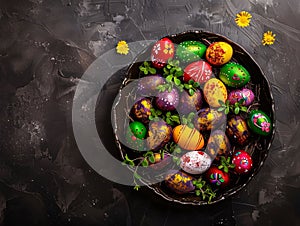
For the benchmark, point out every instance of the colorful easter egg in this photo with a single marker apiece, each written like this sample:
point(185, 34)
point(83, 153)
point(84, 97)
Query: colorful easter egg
point(199, 71)
point(138, 129)
point(141, 110)
point(214, 91)
point(244, 96)
point(167, 101)
point(161, 52)
point(218, 144)
point(189, 51)
point(187, 138)
point(135, 135)
point(209, 118)
point(147, 86)
point(234, 75)
point(219, 53)
point(179, 182)
point(217, 177)
point(260, 123)
point(159, 134)
point(237, 130)
point(188, 103)
point(195, 162)
point(161, 161)
point(242, 161)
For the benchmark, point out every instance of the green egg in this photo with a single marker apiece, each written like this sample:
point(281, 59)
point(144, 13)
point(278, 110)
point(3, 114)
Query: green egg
point(259, 122)
point(234, 75)
point(138, 129)
point(189, 51)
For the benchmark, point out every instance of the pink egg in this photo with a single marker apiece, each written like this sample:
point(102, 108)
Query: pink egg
point(236, 95)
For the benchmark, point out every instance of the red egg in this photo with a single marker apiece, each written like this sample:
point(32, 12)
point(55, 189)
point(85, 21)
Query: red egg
point(200, 71)
point(161, 52)
point(242, 161)
point(217, 177)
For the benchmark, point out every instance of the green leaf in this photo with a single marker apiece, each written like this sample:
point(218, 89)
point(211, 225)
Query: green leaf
point(172, 71)
point(244, 109)
point(137, 176)
point(151, 117)
point(221, 108)
point(227, 102)
point(152, 70)
point(169, 66)
point(198, 192)
point(221, 102)
point(169, 78)
point(191, 82)
point(226, 169)
point(226, 111)
point(177, 81)
point(162, 154)
point(196, 84)
point(236, 110)
point(145, 163)
point(146, 64)
point(170, 89)
point(136, 187)
point(151, 158)
point(178, 73)
point(168, 114)
point(177, 150)
point(146, 72)
point(186, 86)
point(168, 121)
point(220, 167)
point(228, 160)
point(191, 92)
point(184, 121)
point(191, 125)
point(232, 166)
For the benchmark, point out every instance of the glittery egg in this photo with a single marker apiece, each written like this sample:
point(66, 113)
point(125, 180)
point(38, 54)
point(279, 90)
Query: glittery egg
point(217, 177)
point(242, 161)
point(167, 101)
point(147, 85)
point(189, 51)
point(234, 75)
point(199, 71)
point(187, 138)
point(237, 130)
point(188, 103)
point(161, 52)
point(159, 134)
point(209, 118)
point(214, 91)
point(246, 95)
point(141, 110)
point(179, 182)
point(195, 162)
point(219, 53)
point(218, 144)
point(259, 122)
point(135, 135)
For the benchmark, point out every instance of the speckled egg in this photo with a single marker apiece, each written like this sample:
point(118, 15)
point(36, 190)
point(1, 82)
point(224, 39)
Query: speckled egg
point(237, 130)
point(217, 177)
point(159, 134)
point(242, 161)
point(218, 144)
point(234, 75)
point(209, 118)
point(135, 135)
point(189, 51)
point(187, 138)
point(259, 122)
point(199, 71)
point(167, 101)
point(214, 91)
point(195, 162)
point(141, 110)
point(147, 85)
point(161, 52)
point(160, 162)
point(188, 103)
point(219, 53)
point(246, 95)
point(179, 182)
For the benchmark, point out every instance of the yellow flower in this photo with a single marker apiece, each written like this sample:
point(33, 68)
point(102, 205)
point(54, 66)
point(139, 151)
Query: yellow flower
point(243, 19)
point(269, 38)
point(168, 49)
point(122, 48)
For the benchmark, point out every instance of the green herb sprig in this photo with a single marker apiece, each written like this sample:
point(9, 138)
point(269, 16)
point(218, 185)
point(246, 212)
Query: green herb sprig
point(226, 164)
point(236, 108)
point(204, 190)
point(168, 117)
point(191, 87)
point(146, 68)
point(188, 120)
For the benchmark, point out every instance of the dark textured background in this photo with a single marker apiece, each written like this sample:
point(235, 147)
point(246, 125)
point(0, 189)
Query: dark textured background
point(45, 47)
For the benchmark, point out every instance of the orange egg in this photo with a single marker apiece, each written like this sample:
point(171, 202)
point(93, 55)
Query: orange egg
point(219, 53)
point(187, 138)
point(215, 91)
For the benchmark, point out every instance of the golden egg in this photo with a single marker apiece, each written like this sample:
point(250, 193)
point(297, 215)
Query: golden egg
point(188, 138)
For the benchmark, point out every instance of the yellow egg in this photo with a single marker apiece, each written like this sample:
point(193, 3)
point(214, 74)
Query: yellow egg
point(219, 53)
point(215, 91)
point(188, 138)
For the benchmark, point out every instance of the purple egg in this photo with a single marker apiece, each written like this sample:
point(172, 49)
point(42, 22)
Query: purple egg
point(188, 103)
point(141, 110)
point(236, 95)
point(159, 134)
point(167, 101)
point(147, 85)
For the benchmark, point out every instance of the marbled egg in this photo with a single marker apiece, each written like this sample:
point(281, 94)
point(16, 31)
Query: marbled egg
point(189, 51)
point(141, 110)
point(259, 122)
point(188, 103)
point(218, 144)
point(147, 85)
point(246, 95)
point(187, 138)
point(234, 75)
point(217, 177)
point(135, 135)
point(195, 162)
point(219, 53)
point(209, 118)
point(242, 161)
point(179, 182)
point(237, 130)
point(159, 134)
point(214, 91)
point(161, 52)
point(199, 71)
point(167, 101)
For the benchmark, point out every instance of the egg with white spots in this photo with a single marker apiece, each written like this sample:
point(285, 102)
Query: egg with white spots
point(242, 161)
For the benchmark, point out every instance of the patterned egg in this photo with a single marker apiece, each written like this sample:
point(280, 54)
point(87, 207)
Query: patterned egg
point(141, 110)
point(234, 75)
point(195, 162)
point(160, 162)
point(159, 134)
point(237, 130)
point(147, 85)
point(138, 129)
point(187, 138)
point(161, 52)
point(189, 51)
point(167, 101)
point(209, 118)
point(179, 182)
point(188, 103)
point(260, 123)
point(242, 161)
point(214, 91)
point(199, 71)
point(135, 135)
point(218, 144)
point(219, 53)
point(246, 95)
point(217, 177)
